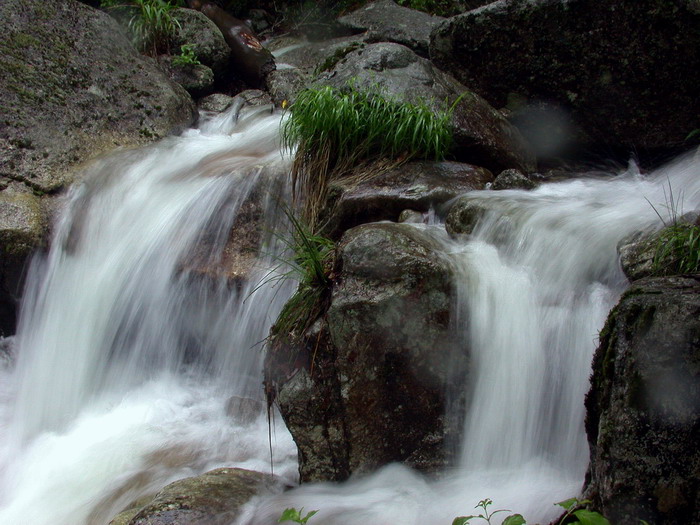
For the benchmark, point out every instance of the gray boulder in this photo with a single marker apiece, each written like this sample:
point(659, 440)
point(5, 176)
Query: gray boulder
point(626, 71)
point(482, 136)
point(419, 186)
point(512, 180)
point(214, 498)
point(368, 384)
point(643, 409)
point(72, 86)
point(208, 43)
point(386, 21)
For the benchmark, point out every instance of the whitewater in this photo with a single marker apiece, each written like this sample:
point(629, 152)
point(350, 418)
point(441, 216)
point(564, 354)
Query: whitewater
point(134, 367)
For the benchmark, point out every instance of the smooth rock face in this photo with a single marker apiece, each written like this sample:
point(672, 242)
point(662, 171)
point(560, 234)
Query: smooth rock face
point(214, 498)
point(482, 136)
point(72, 86)
point(627, 71)
point(643, 409)
point(373, 389)
point(418, 186)
point(388, 22)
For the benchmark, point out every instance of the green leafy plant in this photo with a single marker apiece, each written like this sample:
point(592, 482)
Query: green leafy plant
point(677, 250)
point(582, 516)
point(295, 515)
point(187, 56)
point(484, 504)
point(338, 134)
point(574, 515)
point(150, 22)
point(311, 265)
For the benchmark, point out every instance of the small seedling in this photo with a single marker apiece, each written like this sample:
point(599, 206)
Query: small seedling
point(514, 519)
point(295, 516)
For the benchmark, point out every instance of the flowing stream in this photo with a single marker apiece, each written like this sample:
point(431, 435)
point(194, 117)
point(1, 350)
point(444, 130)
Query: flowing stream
point(137, 364)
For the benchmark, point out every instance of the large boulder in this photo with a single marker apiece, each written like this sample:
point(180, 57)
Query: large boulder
point(368, 385)
point(417, 186)
point(72, 86)
point(626, 71)
point(214, 498)
point(386, 21)
point(643, 409)
point(482, 136)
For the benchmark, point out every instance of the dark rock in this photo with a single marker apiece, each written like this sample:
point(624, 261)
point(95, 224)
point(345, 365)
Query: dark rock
point(369, 385)
point(512, 180)
point(72, 86)
point(208, 43)
point(23, 229)
point(214, 498)
point(637, 255)
point(284, 84)
point(299, 61)
point(197, 79)
point(482, 136)
point(416, 185)
point(251, 230)
point(388, 22)
point(463, 215)
point(215, 103)
point(626, 71)
point(643, 409)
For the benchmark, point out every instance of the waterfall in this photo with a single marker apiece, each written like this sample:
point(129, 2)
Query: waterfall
point(130, 349)
point(137, 358)
point(535, 282)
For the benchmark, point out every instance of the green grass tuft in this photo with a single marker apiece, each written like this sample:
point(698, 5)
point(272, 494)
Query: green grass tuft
point(677, 250)
point(338, 133)
point(311, 264)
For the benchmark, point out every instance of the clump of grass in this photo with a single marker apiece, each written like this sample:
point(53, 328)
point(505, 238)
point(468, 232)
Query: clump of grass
point(339, 133)
point(151, 23)
point(677, 250)
point(311, 265)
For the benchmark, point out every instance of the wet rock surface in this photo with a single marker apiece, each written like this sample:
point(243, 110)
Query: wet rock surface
point(73, 86)
point(418, 186)
point(214, 498)
point(386, 21)
point(643, 409)
point(373, 390)
point(626, 71)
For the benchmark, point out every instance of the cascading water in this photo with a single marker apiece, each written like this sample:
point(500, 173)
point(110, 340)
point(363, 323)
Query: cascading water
point(133, 360)
point(129, 358)
point(535, 282)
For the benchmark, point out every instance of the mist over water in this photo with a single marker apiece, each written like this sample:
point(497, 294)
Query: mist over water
point(137, 366)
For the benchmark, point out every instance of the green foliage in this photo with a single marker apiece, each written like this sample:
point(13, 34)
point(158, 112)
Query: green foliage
point(337, 133)
point(295, 516)
point(677, 250)
point(311, 265)
point(150, 21)
point(574, 515)
point(187, 56)
point(484, 504)
point(583, 516)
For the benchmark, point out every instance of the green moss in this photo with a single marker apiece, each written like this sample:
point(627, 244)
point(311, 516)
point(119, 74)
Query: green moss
point(339, 54)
